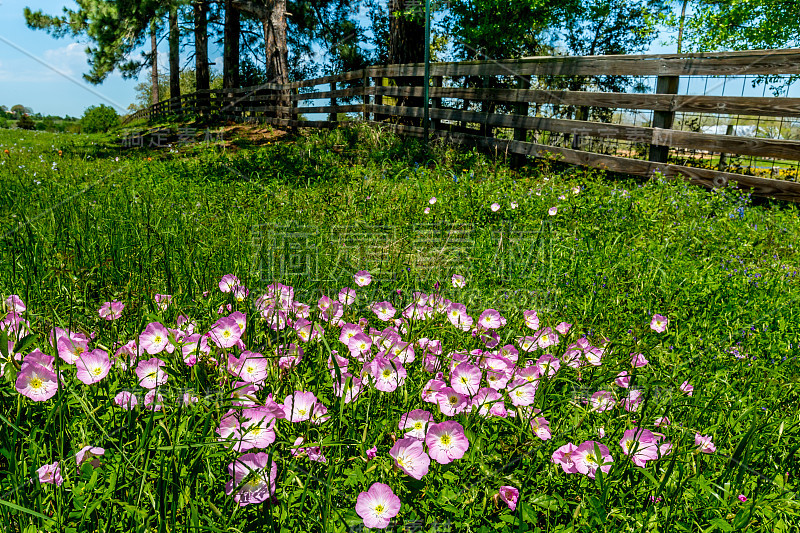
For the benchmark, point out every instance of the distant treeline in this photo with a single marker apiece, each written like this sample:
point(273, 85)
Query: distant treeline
point(19, 116)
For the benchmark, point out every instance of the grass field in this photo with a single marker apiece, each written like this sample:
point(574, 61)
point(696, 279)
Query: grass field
point(655, 388)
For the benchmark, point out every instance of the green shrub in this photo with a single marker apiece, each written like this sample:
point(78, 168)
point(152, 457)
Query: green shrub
point(26, 123)
point(99, 119)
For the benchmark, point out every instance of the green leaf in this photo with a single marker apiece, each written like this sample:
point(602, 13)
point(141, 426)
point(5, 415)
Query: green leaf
point(23, 509)
point(23, 345)
point(4, 344)
point(721, 524)
point(548, 503)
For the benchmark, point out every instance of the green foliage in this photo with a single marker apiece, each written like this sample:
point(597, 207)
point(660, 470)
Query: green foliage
point(19, 110)
point(187, 82)
point(99, 119)
point(25, 122)
point(738, 25)
point(115, 30)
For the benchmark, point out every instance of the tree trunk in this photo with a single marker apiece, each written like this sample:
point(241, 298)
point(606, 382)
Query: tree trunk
point(201, 53)
point(275, 42)
point(406, 43)
point(277, 51)
point(174, 60)
point(230, 60)
point(154, 62)
point(273, 15)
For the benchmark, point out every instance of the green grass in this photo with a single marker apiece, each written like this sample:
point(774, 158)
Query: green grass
point(83, 227)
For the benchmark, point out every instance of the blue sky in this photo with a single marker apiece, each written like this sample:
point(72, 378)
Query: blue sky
point(52, 82)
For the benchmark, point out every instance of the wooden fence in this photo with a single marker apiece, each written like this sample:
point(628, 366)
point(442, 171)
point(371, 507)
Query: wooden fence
point(499, 105)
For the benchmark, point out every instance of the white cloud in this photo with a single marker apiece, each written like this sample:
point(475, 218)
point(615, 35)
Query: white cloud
point(70, 59)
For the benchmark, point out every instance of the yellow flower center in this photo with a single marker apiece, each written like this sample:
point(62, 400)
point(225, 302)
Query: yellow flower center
point(250, 368)
point(379, 508)
point(97, 371)
point(453, 400)
point(302, 412)
point(387, 372)
point(445, 440)
point(418, 425)
point(226, 333)
point(36, 383)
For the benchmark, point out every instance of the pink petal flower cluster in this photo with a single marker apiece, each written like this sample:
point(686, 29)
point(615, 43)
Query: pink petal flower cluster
point(36, 379)
point(705, 443)
point(314, 453)
point(642, 445)
point(584, 459)
point(111, 310)
point(89, 454)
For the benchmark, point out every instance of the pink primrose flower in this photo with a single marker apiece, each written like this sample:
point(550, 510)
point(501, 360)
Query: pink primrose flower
point(111, 310)
point(50, 474)
point(252, 480)
point(659, 323)
point(36, 382)
point(416, 423)
point(150, 373)
point(362, 278)
point(228, 282)
point(510, 495)
point(377, 506)
point(446, 442)
point(92, 366)
point(409, 455)
point(588, 460)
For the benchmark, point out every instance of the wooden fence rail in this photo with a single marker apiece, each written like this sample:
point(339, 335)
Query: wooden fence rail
point(508, 90)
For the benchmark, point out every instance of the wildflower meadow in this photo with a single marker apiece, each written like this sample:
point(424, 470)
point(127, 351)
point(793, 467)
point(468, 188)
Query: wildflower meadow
point(347, 331)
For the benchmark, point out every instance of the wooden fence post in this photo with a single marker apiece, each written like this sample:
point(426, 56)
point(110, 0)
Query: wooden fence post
point(365, 95)
point(293, 115)
point(521, 134)
point(663, 119)
point(465, 104)
point(723, 157)
point(332, 114)
point(377, 99)
point(436, 102)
